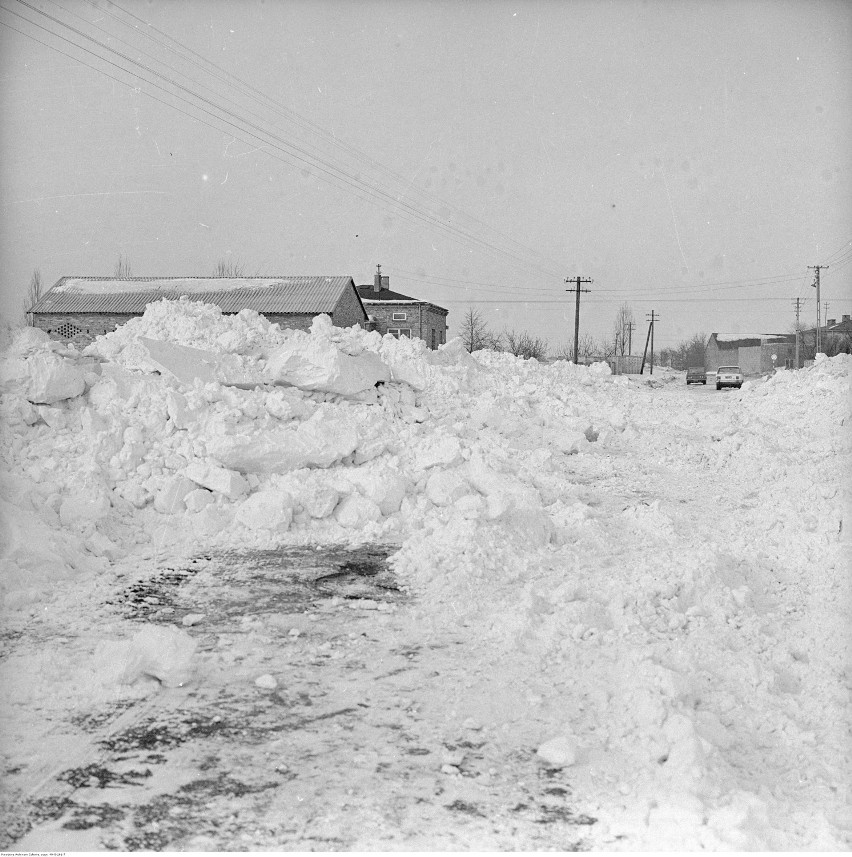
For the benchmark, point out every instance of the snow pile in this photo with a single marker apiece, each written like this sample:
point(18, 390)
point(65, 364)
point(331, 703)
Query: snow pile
point(643, 651)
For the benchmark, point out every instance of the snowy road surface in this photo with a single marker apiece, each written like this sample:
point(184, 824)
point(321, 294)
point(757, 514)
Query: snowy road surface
point(526, 608)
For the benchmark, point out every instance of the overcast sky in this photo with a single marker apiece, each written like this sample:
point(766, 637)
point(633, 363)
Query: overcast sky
point(689, 157)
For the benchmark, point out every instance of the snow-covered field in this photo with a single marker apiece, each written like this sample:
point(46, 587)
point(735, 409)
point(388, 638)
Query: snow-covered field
point(633, 594)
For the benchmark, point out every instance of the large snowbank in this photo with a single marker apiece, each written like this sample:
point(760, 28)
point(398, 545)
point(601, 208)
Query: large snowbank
point(647, 650)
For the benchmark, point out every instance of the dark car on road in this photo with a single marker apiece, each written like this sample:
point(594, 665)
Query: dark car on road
point(695, 375)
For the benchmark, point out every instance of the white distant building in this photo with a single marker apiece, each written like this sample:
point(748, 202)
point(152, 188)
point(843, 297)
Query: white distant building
point(752, 352)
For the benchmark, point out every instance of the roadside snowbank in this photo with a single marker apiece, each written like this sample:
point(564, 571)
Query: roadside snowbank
point(651, 653)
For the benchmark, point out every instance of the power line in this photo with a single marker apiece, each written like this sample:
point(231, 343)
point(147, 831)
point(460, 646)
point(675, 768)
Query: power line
point(258, 96)
point(843, 249)
point(717, 286)
point(736, 284)
point(604, 301)
point(331, 171)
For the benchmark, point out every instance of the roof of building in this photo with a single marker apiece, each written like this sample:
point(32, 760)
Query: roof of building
point(231, 294)
point(844, 326)
point(746, 339)
point(370, 295)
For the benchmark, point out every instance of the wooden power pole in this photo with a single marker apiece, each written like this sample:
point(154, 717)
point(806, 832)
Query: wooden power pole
point(798, 302)
point(815, 284)
point(650, 338)
point(578, 280)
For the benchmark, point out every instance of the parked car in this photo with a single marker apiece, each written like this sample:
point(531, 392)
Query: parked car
point(696, 375)
point(729, 376)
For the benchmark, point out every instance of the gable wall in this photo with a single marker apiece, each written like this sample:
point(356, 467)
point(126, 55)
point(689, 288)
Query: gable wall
point(88, 325)
point(349, 310)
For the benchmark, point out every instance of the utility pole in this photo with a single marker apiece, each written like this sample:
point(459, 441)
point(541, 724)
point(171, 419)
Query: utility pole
point(815, 284)
point(578, 280)
point(630, 326)
point(650, 338)
point(798, 301)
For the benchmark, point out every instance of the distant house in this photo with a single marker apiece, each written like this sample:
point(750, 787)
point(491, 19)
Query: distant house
point(401, 315)
point(77, 309)
point(752, 352)
point(844, 326)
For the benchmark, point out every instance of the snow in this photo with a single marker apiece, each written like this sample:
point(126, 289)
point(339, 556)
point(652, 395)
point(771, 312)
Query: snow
point(184, 285)
point(657, 576)
point(734, 337)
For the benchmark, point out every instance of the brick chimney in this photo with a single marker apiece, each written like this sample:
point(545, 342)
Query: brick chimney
point(846, 318)
point(380, 282)
point(831, 322)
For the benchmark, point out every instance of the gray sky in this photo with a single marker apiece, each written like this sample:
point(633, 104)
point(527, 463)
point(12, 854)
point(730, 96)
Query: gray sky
point(685, 155)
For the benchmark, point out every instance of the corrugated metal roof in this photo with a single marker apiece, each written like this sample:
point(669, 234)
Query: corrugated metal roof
point(262, 294)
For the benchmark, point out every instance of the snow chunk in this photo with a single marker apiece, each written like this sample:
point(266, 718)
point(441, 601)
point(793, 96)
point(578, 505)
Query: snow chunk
point(267, 510)
point(439, 449)
point(355, 511)
point(318, 442)
point(198, 499)
point(163, 653)
point(318, 500)
point(26, 340)
point(444, 487)
point(170, 498)
point(53, 378)
point(407, 360)
point(560, 752)
point(315, 363)
point(82, 509)
point(219, 479)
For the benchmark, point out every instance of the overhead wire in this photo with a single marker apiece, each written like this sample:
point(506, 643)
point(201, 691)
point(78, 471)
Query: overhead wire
point(827, 260)
point(330, 170)
point(374, 194)
point(292, 116)
point(707, 287)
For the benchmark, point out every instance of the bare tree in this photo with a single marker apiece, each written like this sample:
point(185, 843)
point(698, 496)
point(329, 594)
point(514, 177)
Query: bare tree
point(524, 345)
point(621, 329)
point(35, 289)
point(122, 268)
point(229, 268)
point(688, 352)
point(475, 334)
point(606, 349)
point(586, 347)
point(836, 343)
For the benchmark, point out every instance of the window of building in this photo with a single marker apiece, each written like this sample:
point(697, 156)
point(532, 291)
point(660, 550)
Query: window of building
point(67, 330)
point(399, 316)
point(434, 332)
point(400, 331)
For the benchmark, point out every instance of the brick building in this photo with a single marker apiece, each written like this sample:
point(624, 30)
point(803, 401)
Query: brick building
point(752, 352)
point(401, 315)
point(77, 309)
